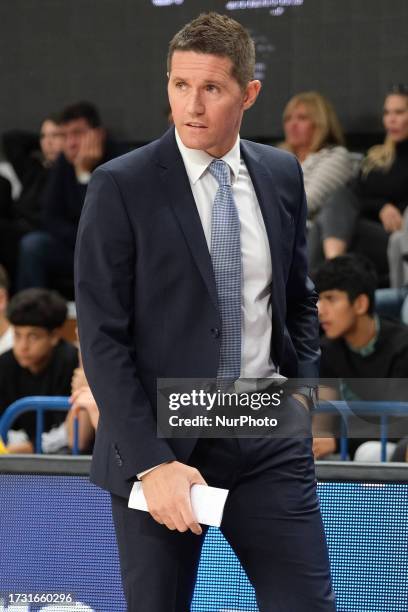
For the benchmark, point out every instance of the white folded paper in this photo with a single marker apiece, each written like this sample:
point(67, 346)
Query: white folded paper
point(207, 502)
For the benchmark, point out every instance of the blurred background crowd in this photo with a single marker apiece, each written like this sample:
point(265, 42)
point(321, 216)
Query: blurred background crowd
point(357, 231)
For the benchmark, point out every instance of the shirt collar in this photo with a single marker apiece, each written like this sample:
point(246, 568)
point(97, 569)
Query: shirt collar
point(196, 161)
point(369, 348)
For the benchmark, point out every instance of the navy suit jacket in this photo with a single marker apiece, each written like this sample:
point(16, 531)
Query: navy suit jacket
point(146, 296)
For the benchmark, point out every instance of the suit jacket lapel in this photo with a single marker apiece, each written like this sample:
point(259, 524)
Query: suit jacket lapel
point(177, 186)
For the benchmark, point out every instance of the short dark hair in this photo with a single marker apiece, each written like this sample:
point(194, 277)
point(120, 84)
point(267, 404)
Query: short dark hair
point(54, 118)
point(353, 274)
point(81, 110)
point(37, 307)
point(4, 279)
point(218, 35)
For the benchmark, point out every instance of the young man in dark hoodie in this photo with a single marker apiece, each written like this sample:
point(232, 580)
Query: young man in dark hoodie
point(358, 345)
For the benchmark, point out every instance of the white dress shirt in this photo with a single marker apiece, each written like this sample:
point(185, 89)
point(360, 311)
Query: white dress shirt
point(256, 309)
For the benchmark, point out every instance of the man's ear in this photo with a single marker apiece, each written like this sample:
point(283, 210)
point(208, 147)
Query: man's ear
point(361, 304)
point(3, 300)
point(56, 335)
point(251, 93)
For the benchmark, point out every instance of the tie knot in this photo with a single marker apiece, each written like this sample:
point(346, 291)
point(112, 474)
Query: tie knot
point(220, 171)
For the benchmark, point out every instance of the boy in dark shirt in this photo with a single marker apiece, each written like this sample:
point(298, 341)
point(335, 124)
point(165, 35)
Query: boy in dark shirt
point(40, 363)
point(358, 345)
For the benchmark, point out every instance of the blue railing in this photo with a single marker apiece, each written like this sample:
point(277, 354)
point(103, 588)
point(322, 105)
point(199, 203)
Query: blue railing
point(345, 410)
point(359, 408)
point(39, 404)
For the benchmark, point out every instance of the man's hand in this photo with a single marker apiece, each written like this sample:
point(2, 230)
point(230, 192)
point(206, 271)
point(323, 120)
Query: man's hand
point(167, 493)
point(391, 218)
point(82, 398)
point(91, 151)
point(78, 380)
point(323, 447)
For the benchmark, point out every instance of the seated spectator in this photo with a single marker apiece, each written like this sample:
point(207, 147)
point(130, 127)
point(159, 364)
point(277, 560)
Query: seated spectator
point(313, 133)
point(78, 379)
point(6, 330)
point(397, 253)
point(40, 363)
point(358, 345)
point(5, 197)
point(31, 158)
point(49, 254)
point(364, 216)
point(60, 439)
point(85, 409)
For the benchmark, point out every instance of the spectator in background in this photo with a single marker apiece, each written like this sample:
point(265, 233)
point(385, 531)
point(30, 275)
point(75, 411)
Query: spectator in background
point(31, 158)
point(83, 407)
point(358, 345)
point(6, 330)
point(47, 254)
point(5, 197)
point(313, 133)
point(364, 216)
point(40, 363)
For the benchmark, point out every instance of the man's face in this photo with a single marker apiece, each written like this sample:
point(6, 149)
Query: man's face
point(206, 101)
point(74, 133)
point(33, 346)
point(51, 140)
point(337, 315)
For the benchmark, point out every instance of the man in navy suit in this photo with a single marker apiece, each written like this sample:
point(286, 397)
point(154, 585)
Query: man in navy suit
point(151, 304)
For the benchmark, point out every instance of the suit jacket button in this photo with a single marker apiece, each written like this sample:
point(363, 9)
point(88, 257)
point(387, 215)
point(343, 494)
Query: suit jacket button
point(215, 332)
point(118, 457)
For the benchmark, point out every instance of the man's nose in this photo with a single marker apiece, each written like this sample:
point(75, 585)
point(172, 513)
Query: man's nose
point(195, 104)
point(71, 140)
point(22, 345)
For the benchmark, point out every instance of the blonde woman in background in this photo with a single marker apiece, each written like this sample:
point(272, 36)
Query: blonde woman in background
point(364, 217)
point(313, 133)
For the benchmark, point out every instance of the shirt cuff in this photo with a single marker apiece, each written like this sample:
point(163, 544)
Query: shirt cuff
point(141, 474)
